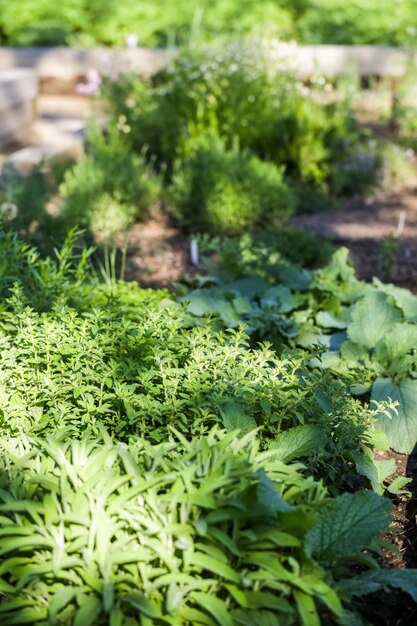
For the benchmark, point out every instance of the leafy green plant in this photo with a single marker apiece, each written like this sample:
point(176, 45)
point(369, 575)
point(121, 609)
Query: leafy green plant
point(40, 282)
point(85, 23)
point(227, 191)
point(108, 188)
point(122, 501)
point(245, 93)
point(209, 531)
point(139, 363)
point(368, 330)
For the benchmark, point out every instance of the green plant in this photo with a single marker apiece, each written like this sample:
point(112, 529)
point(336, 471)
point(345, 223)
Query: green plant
point(108, 188)
point(244, 93)
point(227, 191)
point(139, 363)
point(368, 330)
point(357, 22)
point(92, 22)
point(40, 282)
point(389, 250)
point(28, 205)
point(208, 531)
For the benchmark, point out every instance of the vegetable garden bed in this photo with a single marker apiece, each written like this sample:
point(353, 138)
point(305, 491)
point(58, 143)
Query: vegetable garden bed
point(219, 453)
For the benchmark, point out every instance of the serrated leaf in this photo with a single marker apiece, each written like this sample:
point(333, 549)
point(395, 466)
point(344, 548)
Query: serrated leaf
point(371, 319)
point(348, 525)
point(401, 428)
point(235, 418)
point(298, 442)
point(370, 582)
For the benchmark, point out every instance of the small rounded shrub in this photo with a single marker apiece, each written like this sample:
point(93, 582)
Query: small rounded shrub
point(108, 188)
point(226, 191)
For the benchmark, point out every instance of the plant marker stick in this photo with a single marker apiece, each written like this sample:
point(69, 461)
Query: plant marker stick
point(194, 252)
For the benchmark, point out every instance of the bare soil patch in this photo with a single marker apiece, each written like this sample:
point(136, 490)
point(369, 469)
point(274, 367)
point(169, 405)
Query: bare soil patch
point(363, 226)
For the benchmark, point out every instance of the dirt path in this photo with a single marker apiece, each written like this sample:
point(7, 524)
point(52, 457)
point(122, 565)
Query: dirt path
point(365, 227)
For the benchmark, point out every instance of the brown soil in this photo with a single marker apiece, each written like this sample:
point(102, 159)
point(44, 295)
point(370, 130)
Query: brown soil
point(367, 226)
point(158, 253)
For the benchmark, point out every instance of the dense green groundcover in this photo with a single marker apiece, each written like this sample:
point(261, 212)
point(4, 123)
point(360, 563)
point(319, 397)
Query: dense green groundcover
point(89, 22)
point(158, 469)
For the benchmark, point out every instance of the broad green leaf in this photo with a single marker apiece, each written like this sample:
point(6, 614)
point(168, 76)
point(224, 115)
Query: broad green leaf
point(328, 320)
point(398, 342)
point(249, 287)
point(398, 484)
point(371, 582)
point(404, 299)
point(280, 297)
point(348, 524)
point(298, 442)
point(234, 417)
point(400, 427)
point(204, 301)
point(354, 353)
point(371, 319)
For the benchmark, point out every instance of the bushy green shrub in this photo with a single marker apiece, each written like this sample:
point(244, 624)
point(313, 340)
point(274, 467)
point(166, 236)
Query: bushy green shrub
point(244, 93)
point(28, 205)
point(108, 188)
point(227, 191)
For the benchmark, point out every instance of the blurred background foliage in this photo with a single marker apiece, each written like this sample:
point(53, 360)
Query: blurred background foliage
point(162, 23)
